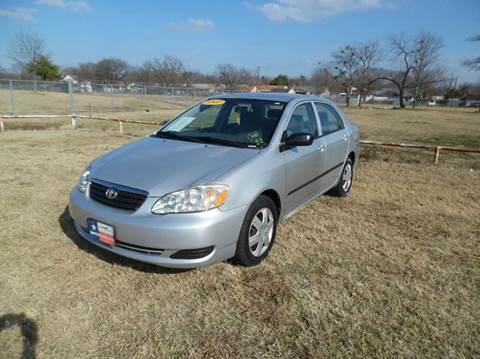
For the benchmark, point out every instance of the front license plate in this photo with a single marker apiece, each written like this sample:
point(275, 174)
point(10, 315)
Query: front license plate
point(104, 232)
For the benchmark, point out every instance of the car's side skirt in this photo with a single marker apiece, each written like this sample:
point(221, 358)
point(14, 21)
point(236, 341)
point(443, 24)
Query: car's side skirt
point(314, 179)
point(295, 210)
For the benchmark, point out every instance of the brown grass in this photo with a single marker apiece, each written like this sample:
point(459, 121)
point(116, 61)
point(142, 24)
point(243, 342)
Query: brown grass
point(28, 102)
point(392, 270)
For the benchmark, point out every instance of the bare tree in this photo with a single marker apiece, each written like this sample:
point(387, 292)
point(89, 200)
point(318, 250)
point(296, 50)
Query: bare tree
point(110, 70)
point(344, 63)
point(403, 53)
point(168, 71)
point(172, 71)
point(425, 53)
point(84, 71)
point(364, 73)
point(245, 76)
point(352, 66)
point(321, 80)
point(228, 75)
point(25, 48)
point(416, 60)
point(473, 64)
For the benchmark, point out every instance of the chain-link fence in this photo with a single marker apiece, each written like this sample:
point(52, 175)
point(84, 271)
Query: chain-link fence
point(61, 97)
point(32, 97)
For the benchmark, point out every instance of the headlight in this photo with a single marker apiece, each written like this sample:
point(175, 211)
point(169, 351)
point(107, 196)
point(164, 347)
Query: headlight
point(195, 199)
point(84, 181)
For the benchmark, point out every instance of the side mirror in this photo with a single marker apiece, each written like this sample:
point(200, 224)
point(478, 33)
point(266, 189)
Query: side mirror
point(166, 122)
point(297, 139)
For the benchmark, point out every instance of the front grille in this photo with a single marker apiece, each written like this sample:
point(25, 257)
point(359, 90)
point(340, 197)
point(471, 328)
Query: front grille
point(128, 198)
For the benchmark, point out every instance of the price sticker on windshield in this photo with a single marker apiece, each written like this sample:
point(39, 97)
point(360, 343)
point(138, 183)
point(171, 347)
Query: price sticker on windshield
point(214, 102)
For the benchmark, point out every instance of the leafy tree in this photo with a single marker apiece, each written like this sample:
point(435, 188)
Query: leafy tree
point(44, 68)
point(280, 80)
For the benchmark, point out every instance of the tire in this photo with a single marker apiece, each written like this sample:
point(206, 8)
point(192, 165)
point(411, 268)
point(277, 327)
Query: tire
point(344, 184)
point(247, 253)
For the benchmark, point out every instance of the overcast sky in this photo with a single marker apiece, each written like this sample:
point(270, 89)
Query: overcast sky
point(280, 36)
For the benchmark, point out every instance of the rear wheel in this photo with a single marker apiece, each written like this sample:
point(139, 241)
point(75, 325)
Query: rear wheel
point(344, 184)
point(257, 233)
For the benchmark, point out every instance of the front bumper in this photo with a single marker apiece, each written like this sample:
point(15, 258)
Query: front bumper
point(164, 235)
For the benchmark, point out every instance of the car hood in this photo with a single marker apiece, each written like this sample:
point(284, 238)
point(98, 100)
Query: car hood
point(160, 166)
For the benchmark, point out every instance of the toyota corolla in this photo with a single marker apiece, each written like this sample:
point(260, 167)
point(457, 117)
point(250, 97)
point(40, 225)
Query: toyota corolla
point(213, 183)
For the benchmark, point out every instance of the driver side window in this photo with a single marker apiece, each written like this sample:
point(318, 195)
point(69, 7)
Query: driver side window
point(303, 121)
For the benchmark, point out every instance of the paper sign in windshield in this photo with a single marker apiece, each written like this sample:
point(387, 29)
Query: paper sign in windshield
point(214, 102)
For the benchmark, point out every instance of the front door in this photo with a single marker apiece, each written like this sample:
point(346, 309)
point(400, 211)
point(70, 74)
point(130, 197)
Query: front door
point(304, 163)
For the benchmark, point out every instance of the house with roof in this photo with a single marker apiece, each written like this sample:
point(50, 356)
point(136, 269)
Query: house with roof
point(69, 78)
point(261, 88)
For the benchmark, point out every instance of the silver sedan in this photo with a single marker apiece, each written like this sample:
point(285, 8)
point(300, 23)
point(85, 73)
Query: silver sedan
point(213, 183)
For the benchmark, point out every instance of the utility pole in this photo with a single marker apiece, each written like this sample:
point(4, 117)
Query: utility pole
point(258, 75)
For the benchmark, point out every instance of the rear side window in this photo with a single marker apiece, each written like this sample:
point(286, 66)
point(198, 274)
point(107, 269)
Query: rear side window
point(329, 118)
point(303, 121)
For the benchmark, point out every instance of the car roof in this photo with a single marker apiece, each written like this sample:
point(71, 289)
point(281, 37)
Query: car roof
point(268, 96)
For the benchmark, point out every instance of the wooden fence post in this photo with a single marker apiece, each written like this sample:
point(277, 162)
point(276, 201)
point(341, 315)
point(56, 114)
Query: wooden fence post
point(121, 127)
point(70, 97)
point(437, 153)
point(2, 126)
point(74, 121)
point(12, 98)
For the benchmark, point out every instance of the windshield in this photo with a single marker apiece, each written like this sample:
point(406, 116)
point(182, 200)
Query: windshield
point(230, 122)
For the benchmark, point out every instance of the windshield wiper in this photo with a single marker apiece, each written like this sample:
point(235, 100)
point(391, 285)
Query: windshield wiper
point(176, 136)
point(221, 141)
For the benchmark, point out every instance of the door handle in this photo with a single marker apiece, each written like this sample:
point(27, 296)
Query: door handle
point(321, 148)
point(345, 137)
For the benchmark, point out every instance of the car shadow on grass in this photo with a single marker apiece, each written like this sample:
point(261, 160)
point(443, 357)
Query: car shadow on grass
point(28, 328)
point(68, 227)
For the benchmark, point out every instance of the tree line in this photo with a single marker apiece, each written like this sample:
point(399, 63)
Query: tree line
point(408, 64)
point(414, 67)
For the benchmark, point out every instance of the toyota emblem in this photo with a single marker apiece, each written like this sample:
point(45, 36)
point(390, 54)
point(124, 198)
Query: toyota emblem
point(111, 193)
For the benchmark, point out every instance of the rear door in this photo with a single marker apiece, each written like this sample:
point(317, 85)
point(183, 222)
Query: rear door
point(304, 163)
point(336, 143)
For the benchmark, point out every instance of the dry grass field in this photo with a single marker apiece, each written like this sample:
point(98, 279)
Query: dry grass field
point(29, 102)
point(391, 271)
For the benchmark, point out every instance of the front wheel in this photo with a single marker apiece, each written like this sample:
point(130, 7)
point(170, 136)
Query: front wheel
point(258, 232)
point(344, 184)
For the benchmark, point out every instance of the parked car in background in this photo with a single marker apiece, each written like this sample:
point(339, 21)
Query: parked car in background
point(215, 181)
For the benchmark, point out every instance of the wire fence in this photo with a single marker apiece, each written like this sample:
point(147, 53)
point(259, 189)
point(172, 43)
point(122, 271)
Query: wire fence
point(61, 97)
point(27, 96)
point(85, 97)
